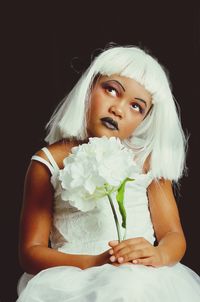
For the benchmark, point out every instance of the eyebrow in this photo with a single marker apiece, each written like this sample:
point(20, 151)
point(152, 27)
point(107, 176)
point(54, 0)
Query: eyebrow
point(118, 83)
point(139, 99)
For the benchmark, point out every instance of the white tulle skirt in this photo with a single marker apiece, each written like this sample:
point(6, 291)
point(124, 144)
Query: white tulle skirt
point(108, 283)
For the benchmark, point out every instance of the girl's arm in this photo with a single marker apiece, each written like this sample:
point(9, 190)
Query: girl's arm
point(166, 222)
point(36, 220)
point(165, 218)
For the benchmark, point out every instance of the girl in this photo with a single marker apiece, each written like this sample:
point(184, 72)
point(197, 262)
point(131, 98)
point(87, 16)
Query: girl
point(124, 93)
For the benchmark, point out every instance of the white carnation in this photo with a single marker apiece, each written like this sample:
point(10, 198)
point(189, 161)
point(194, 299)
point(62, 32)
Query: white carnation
point(90, 166)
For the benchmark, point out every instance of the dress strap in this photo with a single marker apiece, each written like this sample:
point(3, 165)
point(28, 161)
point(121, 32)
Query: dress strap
point(44, 161)
point(50, 158)
point(52, 165)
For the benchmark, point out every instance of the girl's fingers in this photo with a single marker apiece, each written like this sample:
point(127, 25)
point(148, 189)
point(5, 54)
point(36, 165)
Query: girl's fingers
point(113, 243)
point(111, 252)
point(132, 256)
point(129, 255)
point(133, 243)
point(130, 249)
point(125, 251)
point(118, 246)
point(112, 258)
point(130, 252)
point(144, 261)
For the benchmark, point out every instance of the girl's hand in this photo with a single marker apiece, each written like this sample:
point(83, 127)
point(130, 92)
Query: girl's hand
point(137, 251)
point(104, 258)
point(119, 264)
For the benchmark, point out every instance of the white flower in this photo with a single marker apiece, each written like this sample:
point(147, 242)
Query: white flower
point(89, 167)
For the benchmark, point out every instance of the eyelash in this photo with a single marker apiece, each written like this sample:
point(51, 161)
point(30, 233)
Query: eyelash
point(109, 87)
point(141, 110)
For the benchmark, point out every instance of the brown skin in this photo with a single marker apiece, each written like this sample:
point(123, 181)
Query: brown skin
point(37, 210)
point(165, 218)
point(36, 219)
point(110, 100)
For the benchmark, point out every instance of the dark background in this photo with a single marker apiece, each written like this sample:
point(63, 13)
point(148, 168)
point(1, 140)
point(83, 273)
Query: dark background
point(40, 43)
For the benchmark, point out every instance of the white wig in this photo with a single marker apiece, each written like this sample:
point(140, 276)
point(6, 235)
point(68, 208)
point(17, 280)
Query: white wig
point(159, 137)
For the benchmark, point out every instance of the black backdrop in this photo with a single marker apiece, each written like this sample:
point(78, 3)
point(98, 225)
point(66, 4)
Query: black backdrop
point(40, 43)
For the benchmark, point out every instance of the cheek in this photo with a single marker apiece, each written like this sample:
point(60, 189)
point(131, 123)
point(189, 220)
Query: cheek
point(93, 112)
point(133, 123)
point(96, 103)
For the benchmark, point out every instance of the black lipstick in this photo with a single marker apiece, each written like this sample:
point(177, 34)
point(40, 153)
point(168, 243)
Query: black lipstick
point(110, 123)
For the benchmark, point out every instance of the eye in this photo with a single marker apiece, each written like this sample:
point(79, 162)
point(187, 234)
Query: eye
point(111, 90)
point(137, 107)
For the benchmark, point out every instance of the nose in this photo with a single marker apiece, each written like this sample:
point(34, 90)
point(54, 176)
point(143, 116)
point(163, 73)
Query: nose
point(117, 110)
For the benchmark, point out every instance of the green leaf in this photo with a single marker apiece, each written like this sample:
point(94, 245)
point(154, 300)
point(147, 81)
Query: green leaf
point(120, 200)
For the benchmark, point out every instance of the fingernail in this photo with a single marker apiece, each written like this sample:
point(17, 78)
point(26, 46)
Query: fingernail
point(112, 258)
point(120, 259)
point(110, 252)
point(134, 261)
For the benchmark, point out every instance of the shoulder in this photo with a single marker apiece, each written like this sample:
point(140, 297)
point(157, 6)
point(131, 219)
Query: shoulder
point(157, 186)
point(38, 173)
point(58, 150)
point(160, 192)
point(160, 184)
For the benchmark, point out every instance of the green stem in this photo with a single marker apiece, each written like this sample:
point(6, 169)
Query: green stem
point(115, 217)
point(124, 237)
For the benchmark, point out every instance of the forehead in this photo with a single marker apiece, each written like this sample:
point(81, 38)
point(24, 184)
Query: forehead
point(130, 85)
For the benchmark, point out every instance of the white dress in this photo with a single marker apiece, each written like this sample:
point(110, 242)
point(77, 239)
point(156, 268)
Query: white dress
point(79, 232)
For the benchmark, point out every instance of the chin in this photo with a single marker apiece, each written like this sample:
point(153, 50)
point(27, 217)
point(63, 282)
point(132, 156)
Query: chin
point(108, 135)
point(103, 131)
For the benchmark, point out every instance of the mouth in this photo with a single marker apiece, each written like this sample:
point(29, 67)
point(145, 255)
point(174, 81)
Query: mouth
point(109, 123)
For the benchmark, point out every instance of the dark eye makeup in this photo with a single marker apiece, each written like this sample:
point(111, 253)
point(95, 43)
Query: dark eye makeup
point(108, 87)
point(141, 110)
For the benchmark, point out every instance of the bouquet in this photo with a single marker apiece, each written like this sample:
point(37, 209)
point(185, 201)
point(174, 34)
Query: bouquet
point(95, 170)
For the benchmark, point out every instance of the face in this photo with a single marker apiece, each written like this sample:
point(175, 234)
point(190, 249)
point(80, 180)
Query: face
point(118, 105)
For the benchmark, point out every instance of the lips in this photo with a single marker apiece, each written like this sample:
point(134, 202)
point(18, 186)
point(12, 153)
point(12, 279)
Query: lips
point(109, 123)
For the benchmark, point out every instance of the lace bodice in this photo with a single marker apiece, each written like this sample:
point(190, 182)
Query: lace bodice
point(79, 232)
